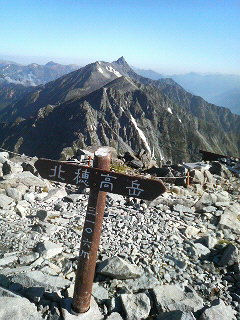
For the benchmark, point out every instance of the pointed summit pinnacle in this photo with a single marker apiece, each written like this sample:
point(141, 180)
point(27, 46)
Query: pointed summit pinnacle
point(122, 61)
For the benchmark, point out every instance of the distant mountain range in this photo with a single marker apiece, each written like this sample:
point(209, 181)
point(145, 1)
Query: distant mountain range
point(33, 74)
point(110, 104)
point(220, 89)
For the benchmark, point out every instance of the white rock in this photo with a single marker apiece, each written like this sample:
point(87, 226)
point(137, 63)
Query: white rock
point(48, 249)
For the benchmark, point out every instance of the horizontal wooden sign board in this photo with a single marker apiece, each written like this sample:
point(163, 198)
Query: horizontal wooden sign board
point(108, 181)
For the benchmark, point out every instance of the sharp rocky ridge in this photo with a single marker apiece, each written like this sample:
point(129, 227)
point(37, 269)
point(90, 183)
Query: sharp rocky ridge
point(109, 104)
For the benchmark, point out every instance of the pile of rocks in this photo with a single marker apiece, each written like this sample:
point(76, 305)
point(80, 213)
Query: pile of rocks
point(175, 258)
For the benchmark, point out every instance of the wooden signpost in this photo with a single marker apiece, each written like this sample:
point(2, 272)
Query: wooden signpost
point(100, 181)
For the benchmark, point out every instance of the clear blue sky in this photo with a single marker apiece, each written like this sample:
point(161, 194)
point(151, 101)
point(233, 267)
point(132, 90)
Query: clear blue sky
point(169, 36)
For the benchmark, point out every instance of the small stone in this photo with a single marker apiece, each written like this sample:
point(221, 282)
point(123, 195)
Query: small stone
point(21, 211)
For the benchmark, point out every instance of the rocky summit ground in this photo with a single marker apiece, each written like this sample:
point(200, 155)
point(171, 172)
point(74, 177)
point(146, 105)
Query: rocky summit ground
point(175, 258)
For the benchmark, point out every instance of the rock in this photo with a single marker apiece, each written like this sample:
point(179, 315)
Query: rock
point(99, 292)
point(21, 211)
point(42, 214)
point(144, 282)
point(171, 298)
point(48, 249)
point(39, 279)
point(27, 259)
point(14, 194)
point(118, 268)
point(114, 316)
point(8, 260)
point(230, 218)
point(14, 307)
point(4, 156)
point(220, 169)
point(197, 176)
point(230, 256)
point(181, 209)
point(92, 314)
point(136, 306)
point(208, 198)
point(55, 194)
point(28, 167)
point(29, 197)
point(10, 167)
point(218, 310)
point(5, 201)
point(176, 315)
point(222, 196)
point(191, 231)
point(26, 178)
point(135, 163)
point(201, 250)
point(209, 241)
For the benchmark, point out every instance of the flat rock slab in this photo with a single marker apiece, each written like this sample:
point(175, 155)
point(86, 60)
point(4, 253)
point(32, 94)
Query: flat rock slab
point(118, 268)
point(92, 314)
point(171, 298)
point(39, 279)
point(48, 249)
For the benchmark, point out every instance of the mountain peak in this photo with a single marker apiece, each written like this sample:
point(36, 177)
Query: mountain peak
point(50, 63)
point(121, 61)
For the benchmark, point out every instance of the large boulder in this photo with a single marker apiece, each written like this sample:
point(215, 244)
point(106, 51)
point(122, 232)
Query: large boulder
point(218, 311)
point(171, 298)
point(230, 218)
point(14, 307)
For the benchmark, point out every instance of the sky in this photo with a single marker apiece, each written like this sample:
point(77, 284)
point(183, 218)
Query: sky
point(168, 36)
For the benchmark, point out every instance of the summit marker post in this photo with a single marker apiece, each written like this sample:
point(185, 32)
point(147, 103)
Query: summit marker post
point(100, 181)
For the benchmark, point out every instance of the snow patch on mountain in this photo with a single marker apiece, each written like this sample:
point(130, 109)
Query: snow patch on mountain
point(141, 134)
point(100, 70)
point(111, 69)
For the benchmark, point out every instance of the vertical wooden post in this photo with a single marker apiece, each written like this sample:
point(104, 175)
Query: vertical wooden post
point(90, 239)
point(188, 178)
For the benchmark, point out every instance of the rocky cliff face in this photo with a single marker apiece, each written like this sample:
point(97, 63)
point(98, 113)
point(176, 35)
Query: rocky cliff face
point(109, 104)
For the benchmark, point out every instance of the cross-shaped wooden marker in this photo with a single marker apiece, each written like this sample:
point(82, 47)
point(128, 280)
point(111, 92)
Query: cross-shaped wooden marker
point(100, 181)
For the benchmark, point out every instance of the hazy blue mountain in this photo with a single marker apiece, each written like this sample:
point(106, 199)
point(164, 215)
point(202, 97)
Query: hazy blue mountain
point(33, 74)
point(148, 73)
point(220, 89)
point(229, 99)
